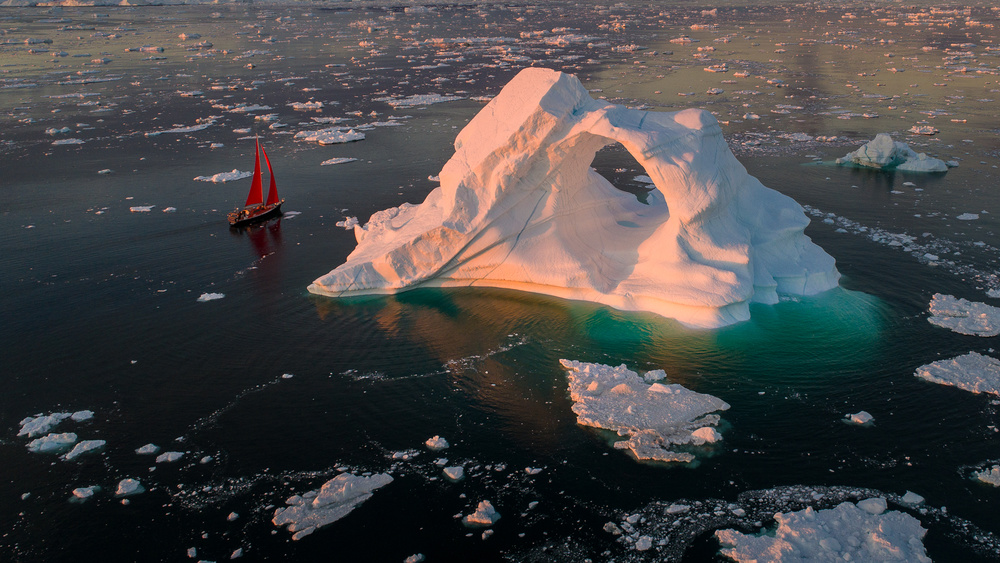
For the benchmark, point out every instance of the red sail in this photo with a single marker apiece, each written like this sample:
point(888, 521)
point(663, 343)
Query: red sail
point(272, 191)
point(256, 195)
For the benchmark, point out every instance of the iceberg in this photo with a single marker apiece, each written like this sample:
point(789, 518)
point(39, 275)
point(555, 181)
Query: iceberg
point(971, 372)
point(885, 154)
point(519, 207)
point(963, 316)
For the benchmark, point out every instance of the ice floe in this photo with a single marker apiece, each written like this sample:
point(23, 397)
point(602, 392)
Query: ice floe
point(519, 207)
point(39, 424)
point(860, 418)
point(331, 136)
point(128, 487)
point(169, 457)
point(225, 176)
point(81, 494)
point(963, 316)
point(82, 447)
point(990, 476)
point(972, 372)
point(52, 443)
point(436, 443)
point(334, 500)
point(484, 516)
point(848, 532)
point(417, 100)
point(148, 449)
point(339, 160)
point(209, 297)
point(655, 417)
point(885, 154)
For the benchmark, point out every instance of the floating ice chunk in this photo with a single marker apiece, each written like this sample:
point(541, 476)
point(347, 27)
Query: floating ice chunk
point(169, 209)
point(129, 487)
point(532, 470)
point(923, 130)
point(141, 208)
point(972, 372)
point(862, 417)
point(80, 416)
point(225, 176)
point(843, 533)
point(912, 499)
point(54, 131)
point(520, 207)
point(52, 443)
point(884, 153)
point(201, 126)
point(454, 473)
point(873, 506)
point(416, 557)
point(340, 160)
point(331, 136)
point(797, 137)
point(84, 447)
point(654, 375)
point(169, 457)
point(968, 217)
point(484, 516)
point(678, 508)
point(41, 424)
point(209, 297)
point(989, 476)
point(237, 553)
point(81, 494)
point(73, 141)
point(336, 499)
point(306, 106)
point(964, 317)
point(418, 100)
point(654, 417)
point(436, 443)
point(348, 223)
point(643, 543)
point(148, 449)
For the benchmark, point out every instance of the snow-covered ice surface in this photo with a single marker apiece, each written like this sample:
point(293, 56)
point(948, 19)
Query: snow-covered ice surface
point(963, 316)
point(655, 417)
point(520, 208)
point(973, 372)
point(860, 532)
point(334, 500)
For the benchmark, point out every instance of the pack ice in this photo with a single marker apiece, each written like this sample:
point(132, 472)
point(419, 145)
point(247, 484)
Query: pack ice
point(519, 207)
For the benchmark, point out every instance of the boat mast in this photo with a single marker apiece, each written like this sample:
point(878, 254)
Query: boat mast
point(272, 191)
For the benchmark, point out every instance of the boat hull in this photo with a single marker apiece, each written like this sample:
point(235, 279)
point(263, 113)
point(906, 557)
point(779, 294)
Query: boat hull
point(255, 214)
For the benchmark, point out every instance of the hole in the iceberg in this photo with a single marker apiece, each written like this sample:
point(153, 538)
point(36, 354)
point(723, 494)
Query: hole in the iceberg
point(619, 167)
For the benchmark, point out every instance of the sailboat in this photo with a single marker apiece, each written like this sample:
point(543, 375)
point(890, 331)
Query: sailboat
point(256, 209)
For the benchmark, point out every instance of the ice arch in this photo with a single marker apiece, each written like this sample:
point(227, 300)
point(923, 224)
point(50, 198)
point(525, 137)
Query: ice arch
point(520, 207)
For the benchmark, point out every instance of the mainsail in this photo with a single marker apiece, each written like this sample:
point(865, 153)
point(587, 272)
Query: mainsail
point(256, 195)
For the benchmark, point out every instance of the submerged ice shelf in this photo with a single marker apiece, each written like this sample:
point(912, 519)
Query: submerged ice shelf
point(519, 207)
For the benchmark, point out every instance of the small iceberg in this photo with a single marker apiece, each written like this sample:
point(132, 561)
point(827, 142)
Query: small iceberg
point(885, 154)
point(209, 297)
point(52, 443)
point(225, 176)
point(654, 416)
point(129, 487)
point(484, 516)
point(84, 447)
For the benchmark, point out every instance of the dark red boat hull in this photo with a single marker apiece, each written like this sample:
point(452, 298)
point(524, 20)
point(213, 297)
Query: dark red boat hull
point(256, 214)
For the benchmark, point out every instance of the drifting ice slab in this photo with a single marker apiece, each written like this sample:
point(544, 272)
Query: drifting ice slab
point(519, 207)
point(654, 417)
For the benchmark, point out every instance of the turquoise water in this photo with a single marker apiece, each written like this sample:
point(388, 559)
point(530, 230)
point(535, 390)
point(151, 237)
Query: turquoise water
point(100, 309)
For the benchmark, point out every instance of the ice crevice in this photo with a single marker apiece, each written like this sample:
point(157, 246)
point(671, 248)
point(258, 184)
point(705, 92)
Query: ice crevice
point(710, 239)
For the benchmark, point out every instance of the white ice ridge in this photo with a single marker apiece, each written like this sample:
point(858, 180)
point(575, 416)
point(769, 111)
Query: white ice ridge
point(861, 532)
point(885, 154)
point(519, 207)
point(971, 372)
point(654, 416)
point(964, 317)
point(336, 499)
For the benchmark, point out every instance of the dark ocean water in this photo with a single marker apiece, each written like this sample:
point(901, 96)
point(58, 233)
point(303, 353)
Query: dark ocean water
point(100, 307)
